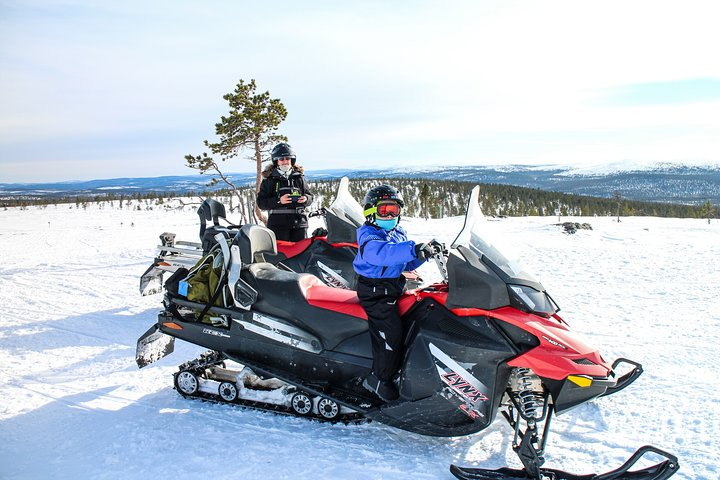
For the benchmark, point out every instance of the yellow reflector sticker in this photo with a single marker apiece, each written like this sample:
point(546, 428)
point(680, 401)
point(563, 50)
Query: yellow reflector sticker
point(580, 381)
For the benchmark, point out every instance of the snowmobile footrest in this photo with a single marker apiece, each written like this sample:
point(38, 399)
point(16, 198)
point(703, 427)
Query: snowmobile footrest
point(659, 471)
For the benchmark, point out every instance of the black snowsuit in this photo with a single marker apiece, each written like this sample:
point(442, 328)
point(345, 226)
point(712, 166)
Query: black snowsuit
point(379, 296)
point(289, 222)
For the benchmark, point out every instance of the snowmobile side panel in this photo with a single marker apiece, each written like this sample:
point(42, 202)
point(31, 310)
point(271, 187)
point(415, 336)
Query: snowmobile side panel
point(253, 339)
point(357, 345)
point(279, 289)
point(447, 387)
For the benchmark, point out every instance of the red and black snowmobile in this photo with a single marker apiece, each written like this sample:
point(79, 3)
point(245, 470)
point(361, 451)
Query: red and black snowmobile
point(487, 338)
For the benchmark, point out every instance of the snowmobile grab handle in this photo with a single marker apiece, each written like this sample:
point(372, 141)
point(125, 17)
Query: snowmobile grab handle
point(626, 379)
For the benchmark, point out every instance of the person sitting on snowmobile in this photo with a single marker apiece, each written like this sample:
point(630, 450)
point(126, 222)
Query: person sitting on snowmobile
point(285, 194)
point(384, 252)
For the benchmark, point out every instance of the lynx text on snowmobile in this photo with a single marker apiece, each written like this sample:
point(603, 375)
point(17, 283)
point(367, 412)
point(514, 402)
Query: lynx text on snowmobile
point(487, 338)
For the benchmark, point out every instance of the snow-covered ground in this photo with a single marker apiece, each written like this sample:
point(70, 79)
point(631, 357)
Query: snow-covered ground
point(74, 405)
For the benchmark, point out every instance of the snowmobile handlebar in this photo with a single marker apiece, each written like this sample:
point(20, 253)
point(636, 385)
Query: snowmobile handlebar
point(320, 212)
point(440, 257)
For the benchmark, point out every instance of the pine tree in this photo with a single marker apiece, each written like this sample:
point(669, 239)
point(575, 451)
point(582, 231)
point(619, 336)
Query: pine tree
point(250, 125)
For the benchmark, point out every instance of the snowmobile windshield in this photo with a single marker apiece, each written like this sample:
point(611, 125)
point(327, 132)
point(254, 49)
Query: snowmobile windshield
point(343, 216)
point(476, 239)
point(477, 235)
point(345, 206)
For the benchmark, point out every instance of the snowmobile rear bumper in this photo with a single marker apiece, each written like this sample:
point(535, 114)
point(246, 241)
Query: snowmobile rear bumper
point(660, 471)
point(152, 346)
point(151, 282)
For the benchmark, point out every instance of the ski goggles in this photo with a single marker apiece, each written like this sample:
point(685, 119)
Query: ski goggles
point(279, 159)
point(387, 209)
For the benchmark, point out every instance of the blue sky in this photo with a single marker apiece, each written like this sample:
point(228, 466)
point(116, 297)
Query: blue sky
point(101, 89)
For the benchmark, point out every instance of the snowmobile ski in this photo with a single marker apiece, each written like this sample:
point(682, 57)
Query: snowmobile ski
point(660, 471)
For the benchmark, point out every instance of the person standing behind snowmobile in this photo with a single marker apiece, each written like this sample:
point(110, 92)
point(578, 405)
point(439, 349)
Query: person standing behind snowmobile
point(384, 252)
point(285, 194)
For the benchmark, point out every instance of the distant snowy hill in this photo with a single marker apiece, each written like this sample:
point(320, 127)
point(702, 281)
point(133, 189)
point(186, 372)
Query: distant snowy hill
point(660, 183)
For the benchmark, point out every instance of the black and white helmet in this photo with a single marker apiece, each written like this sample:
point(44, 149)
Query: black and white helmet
point(379, 194)
point(282, 150)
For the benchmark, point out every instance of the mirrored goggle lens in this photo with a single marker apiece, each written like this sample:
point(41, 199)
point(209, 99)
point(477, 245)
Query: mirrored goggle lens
point(388, 210)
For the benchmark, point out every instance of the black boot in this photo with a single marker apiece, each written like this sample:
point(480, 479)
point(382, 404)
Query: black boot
point(386, 390)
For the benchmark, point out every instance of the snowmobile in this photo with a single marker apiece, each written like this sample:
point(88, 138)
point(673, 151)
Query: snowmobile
point(327, 254)
point(485, 339)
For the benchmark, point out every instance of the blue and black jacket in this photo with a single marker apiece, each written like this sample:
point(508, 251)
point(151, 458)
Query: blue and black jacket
point(383, 254)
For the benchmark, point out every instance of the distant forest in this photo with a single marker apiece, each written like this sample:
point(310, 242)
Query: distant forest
point(427, 198)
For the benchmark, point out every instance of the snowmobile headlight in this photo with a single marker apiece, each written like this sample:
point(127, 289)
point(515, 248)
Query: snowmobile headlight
point(580, 381)
point(536, 302)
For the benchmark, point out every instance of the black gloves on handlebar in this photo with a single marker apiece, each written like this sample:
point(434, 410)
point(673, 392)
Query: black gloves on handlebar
point(423, 251)
point(437, 246)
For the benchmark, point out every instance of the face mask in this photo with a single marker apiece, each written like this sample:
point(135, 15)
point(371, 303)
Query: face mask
point(387, 224)
point(284, 169)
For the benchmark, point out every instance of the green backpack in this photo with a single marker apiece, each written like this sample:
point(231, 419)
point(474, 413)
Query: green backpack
point(204, 278)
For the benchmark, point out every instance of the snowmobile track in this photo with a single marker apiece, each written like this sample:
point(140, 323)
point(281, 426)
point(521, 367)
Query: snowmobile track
point(199, 369)
point(347, 419)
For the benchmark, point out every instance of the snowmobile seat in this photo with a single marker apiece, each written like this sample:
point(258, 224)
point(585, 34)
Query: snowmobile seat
point(336, 299)
point(346, 301)
point(212, 210)
point(254, 242)
point(288, 295)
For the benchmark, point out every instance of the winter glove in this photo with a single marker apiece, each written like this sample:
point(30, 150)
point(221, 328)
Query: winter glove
point(437, 246)
point(423, 251)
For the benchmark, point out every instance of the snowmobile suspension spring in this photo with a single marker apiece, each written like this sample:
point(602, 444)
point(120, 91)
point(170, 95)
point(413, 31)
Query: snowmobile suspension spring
point(528, 398)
